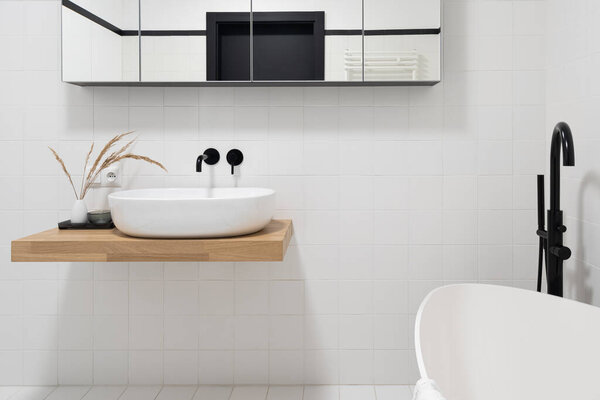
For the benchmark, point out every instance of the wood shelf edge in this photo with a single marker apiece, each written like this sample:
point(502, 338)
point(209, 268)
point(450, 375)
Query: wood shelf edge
point(268, 245)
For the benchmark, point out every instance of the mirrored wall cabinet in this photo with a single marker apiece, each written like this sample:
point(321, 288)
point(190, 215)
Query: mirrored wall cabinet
point(251, 42)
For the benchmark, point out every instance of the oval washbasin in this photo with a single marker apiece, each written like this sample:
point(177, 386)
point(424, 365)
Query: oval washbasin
point(192, 213)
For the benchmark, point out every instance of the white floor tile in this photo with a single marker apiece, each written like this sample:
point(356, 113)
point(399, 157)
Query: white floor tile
point(177, 393)
point(285, 393)
point(33, 393)
point(104, 393)
point(393, 392)
point(7, 391)
point(249, 393)
point(140, 393)
point(213, 393)
point(357, 392)
point(321, 392)
point(209, 392)
point(69, 393)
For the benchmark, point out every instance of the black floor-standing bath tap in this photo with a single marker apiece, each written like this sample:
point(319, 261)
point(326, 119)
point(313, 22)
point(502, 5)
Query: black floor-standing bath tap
point(551, 240)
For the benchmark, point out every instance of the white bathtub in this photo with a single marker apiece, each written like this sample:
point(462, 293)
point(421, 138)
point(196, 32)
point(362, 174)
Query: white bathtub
point(483, 342)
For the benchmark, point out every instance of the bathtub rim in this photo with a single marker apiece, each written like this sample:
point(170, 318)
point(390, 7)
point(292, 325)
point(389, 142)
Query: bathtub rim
point(419, 354)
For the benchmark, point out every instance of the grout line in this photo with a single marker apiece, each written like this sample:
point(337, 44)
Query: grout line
point(91, 321)
point(139, 40)
point(251, 16)
point(197, 388)
point(162, 341)
point(363, 39)
point(91, 386)
point(49, 393)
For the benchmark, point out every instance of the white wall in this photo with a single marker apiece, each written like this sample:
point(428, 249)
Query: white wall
point(573, 96)
point(393, 192)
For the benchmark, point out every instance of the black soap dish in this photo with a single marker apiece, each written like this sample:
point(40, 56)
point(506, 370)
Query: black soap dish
point(88, 225)
point(97, 219)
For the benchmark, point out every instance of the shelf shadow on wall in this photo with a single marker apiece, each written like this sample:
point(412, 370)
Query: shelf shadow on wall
point(579, 280)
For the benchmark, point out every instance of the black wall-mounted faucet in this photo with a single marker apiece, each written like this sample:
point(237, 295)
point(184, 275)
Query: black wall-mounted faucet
point(234, 158)
point(551, 240)
point(210, 156)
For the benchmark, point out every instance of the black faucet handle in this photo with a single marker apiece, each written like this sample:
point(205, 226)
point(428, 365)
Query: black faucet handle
point(562, 252)
point(210, 156)
point(234, 157)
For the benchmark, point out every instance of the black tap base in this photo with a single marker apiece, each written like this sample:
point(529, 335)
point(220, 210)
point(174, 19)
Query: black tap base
point(556, 287)
point(554, 263)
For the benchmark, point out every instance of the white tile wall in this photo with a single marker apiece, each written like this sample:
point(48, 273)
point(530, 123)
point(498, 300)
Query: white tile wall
point(572, 96)
point(393, 192)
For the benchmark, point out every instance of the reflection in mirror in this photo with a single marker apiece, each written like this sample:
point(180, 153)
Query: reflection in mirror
point(305, 40)
point(286, 46)
point(228, 46)
point(251, 41)
point(402, 57)
point(402, 40)
point(174, 38)
point(100, 41)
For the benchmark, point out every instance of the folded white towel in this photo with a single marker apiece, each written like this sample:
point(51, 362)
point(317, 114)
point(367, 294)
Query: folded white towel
point(426, 389)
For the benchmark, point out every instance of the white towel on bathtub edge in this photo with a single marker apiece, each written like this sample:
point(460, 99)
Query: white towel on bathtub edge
point(426, 389)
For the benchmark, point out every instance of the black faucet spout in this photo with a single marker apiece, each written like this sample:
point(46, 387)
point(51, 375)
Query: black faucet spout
point(210, 156)
point(556, 252)
point(562, 139)
point(199, 161)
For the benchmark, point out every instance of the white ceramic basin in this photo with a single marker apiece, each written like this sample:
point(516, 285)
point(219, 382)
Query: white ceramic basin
point(192, 213)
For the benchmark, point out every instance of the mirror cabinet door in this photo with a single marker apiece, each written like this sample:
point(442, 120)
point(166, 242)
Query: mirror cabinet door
point(402, 40)
point(307, 40)
point(178, 41)
point(251, 40)
point(100, 41)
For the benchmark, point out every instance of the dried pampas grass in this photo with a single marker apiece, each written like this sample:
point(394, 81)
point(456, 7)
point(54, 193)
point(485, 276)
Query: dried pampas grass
point(102, 162)
point(64, 168)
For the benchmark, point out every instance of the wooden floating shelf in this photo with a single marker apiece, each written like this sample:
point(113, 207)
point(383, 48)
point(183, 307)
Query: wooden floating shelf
point(99, 245)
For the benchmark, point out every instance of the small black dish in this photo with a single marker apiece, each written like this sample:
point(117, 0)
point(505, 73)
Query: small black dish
point(88, 225)
point(99, 217)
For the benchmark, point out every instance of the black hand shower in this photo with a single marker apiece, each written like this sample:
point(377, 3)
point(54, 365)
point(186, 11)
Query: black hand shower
point(540, 231)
